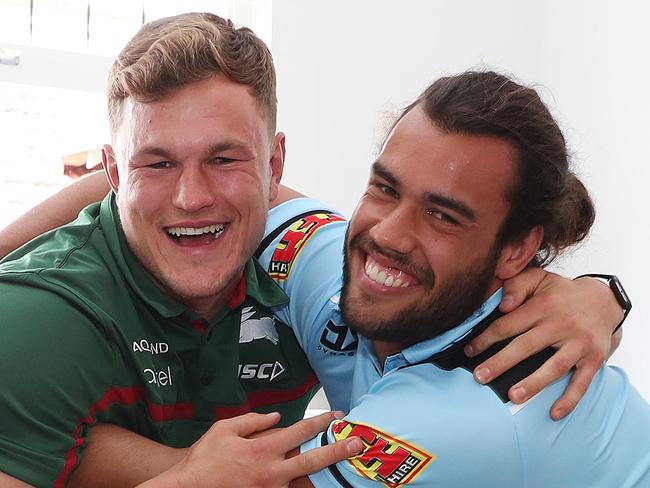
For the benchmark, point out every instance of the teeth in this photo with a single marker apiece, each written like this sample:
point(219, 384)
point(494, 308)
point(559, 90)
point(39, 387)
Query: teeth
point(196, 231)
point(380, 276)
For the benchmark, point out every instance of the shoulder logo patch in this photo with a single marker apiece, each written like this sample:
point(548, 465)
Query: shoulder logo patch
point(294, 239)
point(385, 458)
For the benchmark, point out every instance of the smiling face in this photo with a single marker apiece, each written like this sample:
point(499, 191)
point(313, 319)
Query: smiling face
point(194, 174)
point(421, 253)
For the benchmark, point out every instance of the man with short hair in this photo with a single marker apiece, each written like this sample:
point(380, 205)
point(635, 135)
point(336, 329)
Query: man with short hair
point(148, 312)
point(133, 314)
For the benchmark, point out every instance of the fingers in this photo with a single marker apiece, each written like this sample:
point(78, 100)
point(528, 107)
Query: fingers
point(517, 289)
point(300, 432)
point(554, 368)
point(520, 348)
point(514, 323)
point(580, 381)
point(248, 424)
point(319, 458)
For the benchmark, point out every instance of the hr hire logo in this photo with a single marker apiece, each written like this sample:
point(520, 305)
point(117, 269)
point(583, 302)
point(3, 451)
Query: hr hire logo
point(292, 242)
point(385, 458)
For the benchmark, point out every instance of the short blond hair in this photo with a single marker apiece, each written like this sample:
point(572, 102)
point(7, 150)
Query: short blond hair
point(169, 53)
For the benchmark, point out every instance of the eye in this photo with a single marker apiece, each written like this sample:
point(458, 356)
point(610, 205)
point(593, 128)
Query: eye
point(385, 189)
point(442, 216)
point(222, 160)
point(161, 165)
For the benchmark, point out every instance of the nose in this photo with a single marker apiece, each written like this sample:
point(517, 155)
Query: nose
point(395, 230)
point(194, 189)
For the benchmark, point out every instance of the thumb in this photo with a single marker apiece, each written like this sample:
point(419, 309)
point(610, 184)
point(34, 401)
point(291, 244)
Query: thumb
point(518, 288)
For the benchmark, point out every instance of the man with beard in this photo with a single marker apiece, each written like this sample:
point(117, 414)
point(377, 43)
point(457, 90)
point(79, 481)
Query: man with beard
point(472, 186)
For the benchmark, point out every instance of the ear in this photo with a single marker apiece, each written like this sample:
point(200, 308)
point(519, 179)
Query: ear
point(516, 255)
point(110, 167)
point(276, 165)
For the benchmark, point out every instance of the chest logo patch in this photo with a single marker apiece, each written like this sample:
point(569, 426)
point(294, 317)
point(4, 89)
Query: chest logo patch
point(264, 371)
point(339, 339)
point(385, 458)
point(293, 240)
point(252, 329)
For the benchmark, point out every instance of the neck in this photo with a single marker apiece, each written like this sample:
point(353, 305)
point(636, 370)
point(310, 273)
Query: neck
point(207, 307)
point(385, 349)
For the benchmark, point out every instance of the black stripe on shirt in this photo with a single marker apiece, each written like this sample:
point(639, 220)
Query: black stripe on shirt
point(338, 476)
point(283, 226)
point(454, 357)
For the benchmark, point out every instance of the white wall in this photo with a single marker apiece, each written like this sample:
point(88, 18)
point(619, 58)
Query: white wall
point(342, 65)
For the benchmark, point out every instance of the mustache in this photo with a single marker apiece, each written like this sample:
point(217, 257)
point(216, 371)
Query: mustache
point(364, 242)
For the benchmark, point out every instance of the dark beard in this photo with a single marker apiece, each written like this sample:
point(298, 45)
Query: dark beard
point(445, 308)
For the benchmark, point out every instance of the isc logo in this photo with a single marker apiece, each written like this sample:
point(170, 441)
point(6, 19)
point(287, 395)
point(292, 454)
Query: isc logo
point(265, 371)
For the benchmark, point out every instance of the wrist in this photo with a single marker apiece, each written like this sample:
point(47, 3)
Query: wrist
point(174, 477)
point(616, 291)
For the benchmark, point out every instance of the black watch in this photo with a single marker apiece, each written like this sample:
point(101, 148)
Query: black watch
point(617, 289)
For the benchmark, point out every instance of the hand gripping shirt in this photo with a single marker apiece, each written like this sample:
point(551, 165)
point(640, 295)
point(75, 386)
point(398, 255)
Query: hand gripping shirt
point(86, 336)
point(425, 421)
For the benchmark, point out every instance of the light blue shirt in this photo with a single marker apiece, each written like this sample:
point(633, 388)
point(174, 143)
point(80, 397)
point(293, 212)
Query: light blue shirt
point(425, 426)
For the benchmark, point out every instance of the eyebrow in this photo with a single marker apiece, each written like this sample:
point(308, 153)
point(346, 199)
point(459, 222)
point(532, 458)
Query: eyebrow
point(450, 203)
point(380, 170)
point(432, 197)
point(215, 148)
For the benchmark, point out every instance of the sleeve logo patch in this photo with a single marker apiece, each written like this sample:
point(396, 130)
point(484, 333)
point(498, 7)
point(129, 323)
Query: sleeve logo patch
point(293, 240)
point(385, 458)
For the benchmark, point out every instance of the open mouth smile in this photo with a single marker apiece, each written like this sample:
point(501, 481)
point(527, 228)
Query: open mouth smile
point(195, 236)
point(387, 276)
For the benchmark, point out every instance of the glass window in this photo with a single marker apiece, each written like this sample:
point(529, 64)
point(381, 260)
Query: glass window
point(101, 27)
point(14, 21)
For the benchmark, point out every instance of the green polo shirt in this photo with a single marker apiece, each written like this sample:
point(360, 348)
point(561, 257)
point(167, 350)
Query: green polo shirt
point(86, 337)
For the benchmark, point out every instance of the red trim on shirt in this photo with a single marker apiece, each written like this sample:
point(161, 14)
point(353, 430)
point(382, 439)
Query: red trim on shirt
point(197, 325)
point(123, 396)
point(174, 411)
point(239, 294)
point(264, 398)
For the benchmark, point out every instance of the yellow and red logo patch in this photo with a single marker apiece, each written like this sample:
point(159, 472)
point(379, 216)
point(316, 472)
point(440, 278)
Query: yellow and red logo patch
point(293, 240)
point(385, 458)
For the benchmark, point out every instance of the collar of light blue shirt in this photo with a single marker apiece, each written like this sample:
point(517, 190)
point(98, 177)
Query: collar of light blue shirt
point(425, 349)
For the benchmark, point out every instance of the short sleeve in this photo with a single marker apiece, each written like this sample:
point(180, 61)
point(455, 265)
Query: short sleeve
point(416, 434)
point(303, 253)
point(55, 365)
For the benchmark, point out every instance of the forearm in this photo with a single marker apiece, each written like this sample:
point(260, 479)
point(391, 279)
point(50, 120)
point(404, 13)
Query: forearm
point(57, 210)
point(118, 457)
point(7, 481)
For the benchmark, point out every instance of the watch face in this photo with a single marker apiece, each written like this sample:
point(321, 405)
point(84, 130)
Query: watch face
point(622, 297)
